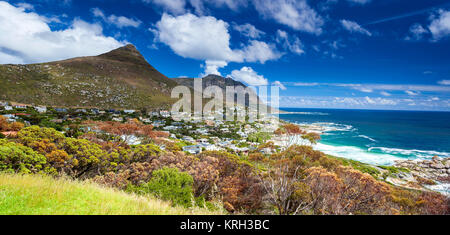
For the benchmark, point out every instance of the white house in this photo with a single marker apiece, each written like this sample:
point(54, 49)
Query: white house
point(41, 109)
point(129, 111)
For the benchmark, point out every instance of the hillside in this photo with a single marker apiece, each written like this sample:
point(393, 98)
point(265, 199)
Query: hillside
point(43, 195)
point(210, 80)
point(121, 78)
point(215, 80)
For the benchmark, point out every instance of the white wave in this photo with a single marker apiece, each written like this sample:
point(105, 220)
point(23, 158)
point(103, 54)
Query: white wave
point(329, 126)
point(306, 113)
point(442, 188)
point(357, 154)
point(367, 137)
point(421, 154)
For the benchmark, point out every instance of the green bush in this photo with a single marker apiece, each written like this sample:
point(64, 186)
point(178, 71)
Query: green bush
point(16, 158)
point(169, 184)
point(32, 134)
point(2, 136)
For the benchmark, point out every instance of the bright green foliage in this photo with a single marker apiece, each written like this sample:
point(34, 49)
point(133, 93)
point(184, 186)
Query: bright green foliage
point(86, 155)
point(20, 159)
point(35, 133)
point(169, 184)
point(145, 153)
point(259, 137)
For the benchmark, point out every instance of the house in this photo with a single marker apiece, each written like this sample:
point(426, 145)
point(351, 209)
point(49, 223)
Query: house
point(129, 111)
point(170, 128)
point(20, 106)
point(203, 141)
point(188, 139)
point(193, 149)
point(8, 108)
point(41, 109)
point(165, 114)
point(153, 114)
point(117, 119)
point(61, 110)
point(2, 103)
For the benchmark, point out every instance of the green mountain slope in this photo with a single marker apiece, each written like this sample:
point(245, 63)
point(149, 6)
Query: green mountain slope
point(121, 78)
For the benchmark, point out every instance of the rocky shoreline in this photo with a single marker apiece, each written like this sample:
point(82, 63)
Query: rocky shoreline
point(423, 174)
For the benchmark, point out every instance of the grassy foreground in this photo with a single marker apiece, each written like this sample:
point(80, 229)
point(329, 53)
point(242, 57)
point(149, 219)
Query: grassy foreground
point(43, 195)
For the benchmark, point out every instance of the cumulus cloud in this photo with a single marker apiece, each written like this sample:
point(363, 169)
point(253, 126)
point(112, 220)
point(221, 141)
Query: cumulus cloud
point(258, 51)
point(440, 25)
point(296, 14)
point(212, 67)
point(292, 44)
point(249, 31)
point(26, 37)
point(187, 37)
point(354, 27)
point(249, 76)
point(119, 21)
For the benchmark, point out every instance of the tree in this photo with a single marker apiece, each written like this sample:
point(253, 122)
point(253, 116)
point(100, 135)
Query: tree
point(169, 184)
point(32, 134)
point(20, 159)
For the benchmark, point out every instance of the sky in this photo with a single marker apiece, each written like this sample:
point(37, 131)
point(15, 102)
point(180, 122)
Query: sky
point(356, 54)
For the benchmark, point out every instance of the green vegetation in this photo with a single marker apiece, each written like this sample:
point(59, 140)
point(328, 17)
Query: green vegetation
point(43, 195)
point(119, 79)
point(365, 168)
point(169, 184)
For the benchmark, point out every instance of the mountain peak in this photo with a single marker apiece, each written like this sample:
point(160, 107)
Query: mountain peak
point(125, 53)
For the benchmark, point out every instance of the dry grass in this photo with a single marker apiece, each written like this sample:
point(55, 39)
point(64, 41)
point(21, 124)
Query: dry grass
point(43, 195)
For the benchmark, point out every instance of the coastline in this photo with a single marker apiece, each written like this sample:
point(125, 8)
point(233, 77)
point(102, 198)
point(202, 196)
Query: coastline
point(412, 174)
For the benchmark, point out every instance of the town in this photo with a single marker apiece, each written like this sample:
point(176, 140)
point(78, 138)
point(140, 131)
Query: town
point(196, 134)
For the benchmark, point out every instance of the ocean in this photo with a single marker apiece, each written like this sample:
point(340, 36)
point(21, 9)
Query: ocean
point(378, 137)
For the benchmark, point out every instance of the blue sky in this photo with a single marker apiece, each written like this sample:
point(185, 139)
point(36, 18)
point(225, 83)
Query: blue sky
point(363, 54)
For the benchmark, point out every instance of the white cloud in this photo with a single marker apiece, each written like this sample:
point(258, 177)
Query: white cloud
point(119, 21)
point(27, 37)
point(279, 84)
point(212, 67)
point(249, 31)
point(385, 87)
point(362, 2)
point(444, 82)
point(179, 7)
point(200, 6)
point(207, 38)
point(292, 44)
point(412, 93)
point(249, 76)
point(172, 6)
point(384, 93)
point(296, 14)
point(202, 38)
point(258, 51)
point(25, 6)
point(417, 31)
point(354, 27)
point(440, 25)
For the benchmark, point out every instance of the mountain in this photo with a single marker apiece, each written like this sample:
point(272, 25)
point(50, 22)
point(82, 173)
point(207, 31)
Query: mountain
point(120, 79)
point(211, 80)
point(215, 80)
